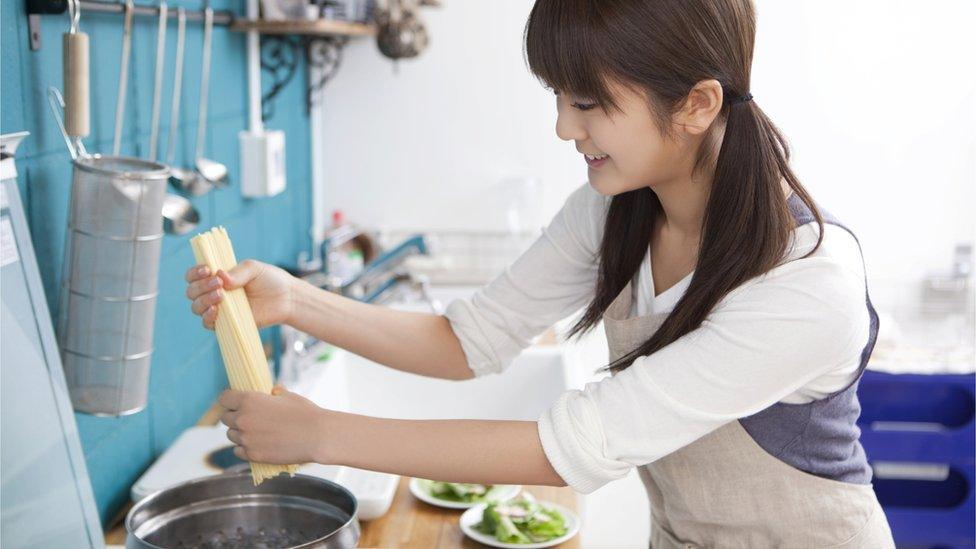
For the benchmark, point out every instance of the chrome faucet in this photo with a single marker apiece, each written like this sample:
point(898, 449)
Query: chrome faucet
point(381, 281)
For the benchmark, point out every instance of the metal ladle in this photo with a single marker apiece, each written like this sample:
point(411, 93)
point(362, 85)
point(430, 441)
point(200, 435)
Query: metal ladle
point(179, 215)
point(184, 180)
point(212, 171)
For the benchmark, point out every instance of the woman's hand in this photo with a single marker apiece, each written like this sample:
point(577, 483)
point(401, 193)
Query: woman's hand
point(268, 288)
point(280, 428)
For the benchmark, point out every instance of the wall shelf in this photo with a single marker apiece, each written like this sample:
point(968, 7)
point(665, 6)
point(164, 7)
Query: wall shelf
point(317, 27)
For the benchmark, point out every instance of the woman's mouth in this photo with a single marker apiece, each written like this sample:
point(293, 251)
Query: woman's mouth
point(596, 160)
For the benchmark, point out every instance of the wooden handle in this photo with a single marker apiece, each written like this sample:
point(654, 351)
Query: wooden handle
point(76, 111)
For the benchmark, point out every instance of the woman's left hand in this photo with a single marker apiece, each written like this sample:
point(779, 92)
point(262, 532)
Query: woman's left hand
point(280, 428)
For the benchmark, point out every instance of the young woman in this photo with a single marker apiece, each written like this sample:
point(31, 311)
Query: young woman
point(736, 312)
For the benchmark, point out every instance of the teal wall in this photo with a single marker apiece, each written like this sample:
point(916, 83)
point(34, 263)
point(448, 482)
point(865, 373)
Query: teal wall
point(186, 371)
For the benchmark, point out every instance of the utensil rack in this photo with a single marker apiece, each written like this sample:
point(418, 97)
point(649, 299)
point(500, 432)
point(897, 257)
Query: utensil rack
point(36, 8)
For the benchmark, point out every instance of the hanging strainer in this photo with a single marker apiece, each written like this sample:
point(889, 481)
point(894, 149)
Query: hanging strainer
point(109, 279)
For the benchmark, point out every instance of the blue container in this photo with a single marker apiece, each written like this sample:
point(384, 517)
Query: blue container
point(918, 432)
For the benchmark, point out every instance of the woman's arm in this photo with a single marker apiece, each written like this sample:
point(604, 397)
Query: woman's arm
point(481, 335)
point(458, 450)
point(287, 428)
point(419, 343)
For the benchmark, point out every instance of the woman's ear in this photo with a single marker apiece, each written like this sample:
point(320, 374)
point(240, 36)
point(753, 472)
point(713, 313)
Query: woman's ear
point(700, 108)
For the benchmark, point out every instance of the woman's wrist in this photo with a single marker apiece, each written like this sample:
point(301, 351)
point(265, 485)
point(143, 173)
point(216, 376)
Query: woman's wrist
point(328, 427)
point(297, 293)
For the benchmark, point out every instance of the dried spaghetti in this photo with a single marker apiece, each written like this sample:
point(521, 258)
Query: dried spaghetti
point(237, 334)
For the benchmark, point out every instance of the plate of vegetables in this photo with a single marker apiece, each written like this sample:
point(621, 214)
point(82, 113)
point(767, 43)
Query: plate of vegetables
point(521, 522)
point(459, 495)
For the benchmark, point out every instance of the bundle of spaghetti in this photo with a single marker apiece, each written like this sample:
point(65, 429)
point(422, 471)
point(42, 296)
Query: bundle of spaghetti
point(237, 334)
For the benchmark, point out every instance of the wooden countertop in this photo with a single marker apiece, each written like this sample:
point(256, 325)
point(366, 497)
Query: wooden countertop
point(413, 523)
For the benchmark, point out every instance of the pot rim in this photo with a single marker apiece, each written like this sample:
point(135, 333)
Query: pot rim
point(144, 502)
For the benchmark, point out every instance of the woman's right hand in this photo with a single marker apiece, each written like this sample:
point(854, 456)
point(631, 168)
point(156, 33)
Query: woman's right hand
point(269, 289)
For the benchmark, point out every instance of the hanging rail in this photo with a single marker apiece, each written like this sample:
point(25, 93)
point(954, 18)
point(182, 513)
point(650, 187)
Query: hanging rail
point(36, 8)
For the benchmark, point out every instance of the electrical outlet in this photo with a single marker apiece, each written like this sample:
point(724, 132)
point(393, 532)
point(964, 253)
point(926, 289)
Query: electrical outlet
point(262, 163)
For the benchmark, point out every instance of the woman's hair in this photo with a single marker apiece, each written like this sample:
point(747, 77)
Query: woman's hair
point(664, 48)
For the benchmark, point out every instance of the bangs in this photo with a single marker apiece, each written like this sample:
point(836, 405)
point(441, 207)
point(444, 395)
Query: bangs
point(563, 44)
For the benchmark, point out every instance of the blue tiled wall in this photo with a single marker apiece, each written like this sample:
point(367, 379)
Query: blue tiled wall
point(186, 371)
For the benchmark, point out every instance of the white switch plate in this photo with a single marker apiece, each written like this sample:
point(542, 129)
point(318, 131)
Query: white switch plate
point(262, 163)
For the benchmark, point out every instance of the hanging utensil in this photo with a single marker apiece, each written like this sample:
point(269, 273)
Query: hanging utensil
point(129, 12)
point(179, 215)
point(158, 79)
point(75, 147)
point(212, 171)
point(109, 276)
point(183, 180)
point(74, 47)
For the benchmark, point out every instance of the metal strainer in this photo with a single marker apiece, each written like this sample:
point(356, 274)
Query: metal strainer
point(227, 511)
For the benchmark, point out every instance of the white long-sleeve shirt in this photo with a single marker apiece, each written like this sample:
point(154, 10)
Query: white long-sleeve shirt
point(794, 334)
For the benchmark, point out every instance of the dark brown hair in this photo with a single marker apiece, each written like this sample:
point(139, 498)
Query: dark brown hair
point(664, 48)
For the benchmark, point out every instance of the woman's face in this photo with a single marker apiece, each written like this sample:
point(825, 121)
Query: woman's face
point(624, 149)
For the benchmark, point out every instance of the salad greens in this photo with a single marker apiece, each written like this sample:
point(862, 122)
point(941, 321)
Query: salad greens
point(458, 491)
point(521, 520)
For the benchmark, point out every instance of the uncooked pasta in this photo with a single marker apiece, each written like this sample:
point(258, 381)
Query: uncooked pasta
point(237, 334)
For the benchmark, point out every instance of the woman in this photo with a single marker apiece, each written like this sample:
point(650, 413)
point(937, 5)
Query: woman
point(736, 312)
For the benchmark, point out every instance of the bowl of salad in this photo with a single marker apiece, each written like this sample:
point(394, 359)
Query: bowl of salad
point(520, 522)
point(459, 495)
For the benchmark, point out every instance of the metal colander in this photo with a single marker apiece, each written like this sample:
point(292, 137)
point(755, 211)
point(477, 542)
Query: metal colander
point(108, 284)
point(227, 511)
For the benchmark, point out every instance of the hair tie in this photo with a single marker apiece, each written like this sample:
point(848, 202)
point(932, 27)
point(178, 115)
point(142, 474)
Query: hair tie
point(735, 99)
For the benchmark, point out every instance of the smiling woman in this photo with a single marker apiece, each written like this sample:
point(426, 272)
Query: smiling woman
point(694, 113)
point(737, 315)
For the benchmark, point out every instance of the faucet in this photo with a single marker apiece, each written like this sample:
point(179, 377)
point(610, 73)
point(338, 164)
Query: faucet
point(379, 282)
point(386, 271)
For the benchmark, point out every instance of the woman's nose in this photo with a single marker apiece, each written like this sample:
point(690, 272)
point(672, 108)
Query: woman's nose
point(569, 127)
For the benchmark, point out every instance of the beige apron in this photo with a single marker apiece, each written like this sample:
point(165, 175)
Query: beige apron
point(724, 490)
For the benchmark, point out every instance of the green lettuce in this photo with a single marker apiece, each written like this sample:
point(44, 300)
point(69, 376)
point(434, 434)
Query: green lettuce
point(458, 491)
point(521, 521)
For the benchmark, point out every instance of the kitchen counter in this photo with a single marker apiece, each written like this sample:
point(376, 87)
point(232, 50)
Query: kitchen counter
point(413, 523)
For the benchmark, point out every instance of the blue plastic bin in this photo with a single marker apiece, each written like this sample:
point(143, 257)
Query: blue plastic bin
point(918, 432)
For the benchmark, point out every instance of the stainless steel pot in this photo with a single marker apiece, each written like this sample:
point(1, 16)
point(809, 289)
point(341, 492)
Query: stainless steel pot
point(225, 511)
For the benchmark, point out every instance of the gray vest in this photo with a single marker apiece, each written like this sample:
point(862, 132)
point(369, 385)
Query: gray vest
point(819, 437)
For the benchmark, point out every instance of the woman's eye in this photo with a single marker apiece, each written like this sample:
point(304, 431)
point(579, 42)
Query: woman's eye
point(584, 106)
